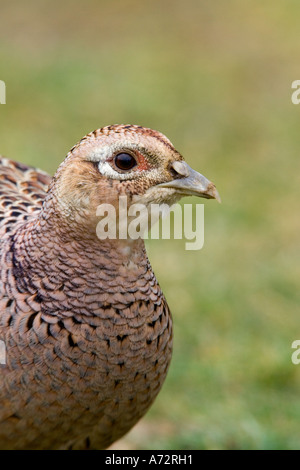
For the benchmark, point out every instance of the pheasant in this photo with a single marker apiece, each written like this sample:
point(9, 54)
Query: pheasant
point(86, 328)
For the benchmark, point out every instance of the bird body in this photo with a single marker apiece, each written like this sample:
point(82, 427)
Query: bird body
point(86, 327)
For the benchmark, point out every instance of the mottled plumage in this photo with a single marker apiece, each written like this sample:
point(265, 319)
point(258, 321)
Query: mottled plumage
point(87, 330)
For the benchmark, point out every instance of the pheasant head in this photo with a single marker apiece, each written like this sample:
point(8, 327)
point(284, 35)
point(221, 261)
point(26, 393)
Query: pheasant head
point(122, 160)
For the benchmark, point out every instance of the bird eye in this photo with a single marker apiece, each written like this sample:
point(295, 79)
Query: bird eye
point(125, 161)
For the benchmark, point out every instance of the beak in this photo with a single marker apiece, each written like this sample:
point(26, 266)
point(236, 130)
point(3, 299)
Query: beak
point(191, 183)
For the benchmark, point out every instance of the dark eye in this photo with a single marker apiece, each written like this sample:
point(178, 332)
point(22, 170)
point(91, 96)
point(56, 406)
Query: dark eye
point(125, 161)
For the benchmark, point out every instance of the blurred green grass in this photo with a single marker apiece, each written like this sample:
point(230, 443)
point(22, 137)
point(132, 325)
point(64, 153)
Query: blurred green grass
point(216, 79)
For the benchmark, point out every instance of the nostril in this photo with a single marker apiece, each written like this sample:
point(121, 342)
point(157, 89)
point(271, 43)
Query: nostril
point(181, 168)
point(173, 172)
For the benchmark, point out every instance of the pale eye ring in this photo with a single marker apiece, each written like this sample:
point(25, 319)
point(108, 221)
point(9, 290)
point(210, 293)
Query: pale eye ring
point(124, 161)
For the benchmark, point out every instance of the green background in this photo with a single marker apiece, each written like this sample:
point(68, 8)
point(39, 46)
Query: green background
point(215, 77)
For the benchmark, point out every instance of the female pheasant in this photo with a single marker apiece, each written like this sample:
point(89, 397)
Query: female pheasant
point(86, 329)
